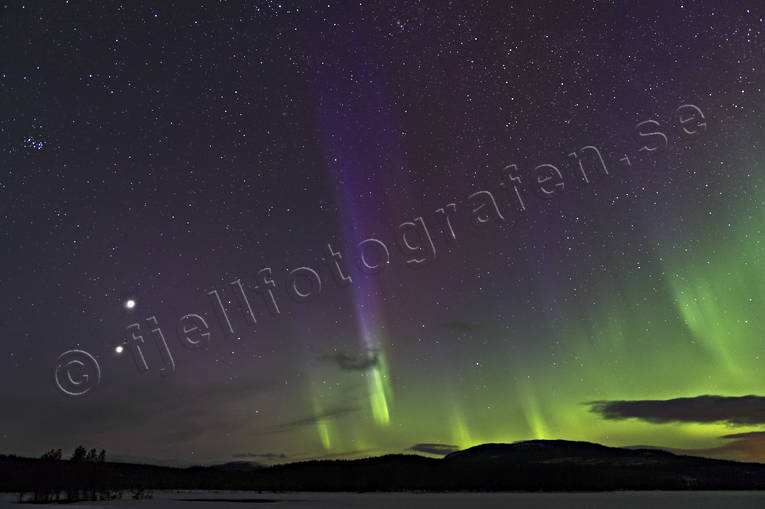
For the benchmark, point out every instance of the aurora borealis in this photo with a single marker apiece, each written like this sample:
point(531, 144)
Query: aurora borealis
point(156, 153)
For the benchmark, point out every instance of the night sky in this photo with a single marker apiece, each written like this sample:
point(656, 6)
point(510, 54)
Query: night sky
point(483, 276)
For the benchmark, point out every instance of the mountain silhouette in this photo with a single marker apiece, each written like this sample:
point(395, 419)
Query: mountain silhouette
point(239, 465)
point(535, 465)
point(558, 451)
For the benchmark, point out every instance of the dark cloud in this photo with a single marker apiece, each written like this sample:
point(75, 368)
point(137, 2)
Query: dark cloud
point(439, 449)
point(106, 416)
point(349, 362)
point(742, 447)
point(321, 416)
point(308, 421)
point(739, 411)
point(262, 455)
point(343, 455)
point(760, 435)
point(150, 460)
point(748, 447)
point(461, 326)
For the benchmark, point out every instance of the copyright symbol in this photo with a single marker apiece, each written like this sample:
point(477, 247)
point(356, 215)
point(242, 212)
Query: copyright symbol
point(77, 372)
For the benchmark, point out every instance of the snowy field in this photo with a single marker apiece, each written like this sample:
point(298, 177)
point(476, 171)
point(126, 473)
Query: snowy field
point(621, 500)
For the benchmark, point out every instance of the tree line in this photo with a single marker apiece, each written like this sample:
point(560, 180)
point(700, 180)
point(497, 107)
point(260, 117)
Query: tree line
point(79, 454)
point(85, 474)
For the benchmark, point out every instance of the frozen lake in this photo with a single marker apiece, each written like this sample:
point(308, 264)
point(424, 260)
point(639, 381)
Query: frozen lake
point(622, 500)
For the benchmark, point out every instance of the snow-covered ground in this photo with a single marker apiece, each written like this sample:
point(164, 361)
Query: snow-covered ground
point(241, 500)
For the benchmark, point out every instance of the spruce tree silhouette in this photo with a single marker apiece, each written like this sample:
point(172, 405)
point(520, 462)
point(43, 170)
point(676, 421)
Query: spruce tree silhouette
point(79, 453)
point(53, 454)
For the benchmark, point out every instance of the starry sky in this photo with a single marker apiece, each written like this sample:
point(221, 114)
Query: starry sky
point(356, 228)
